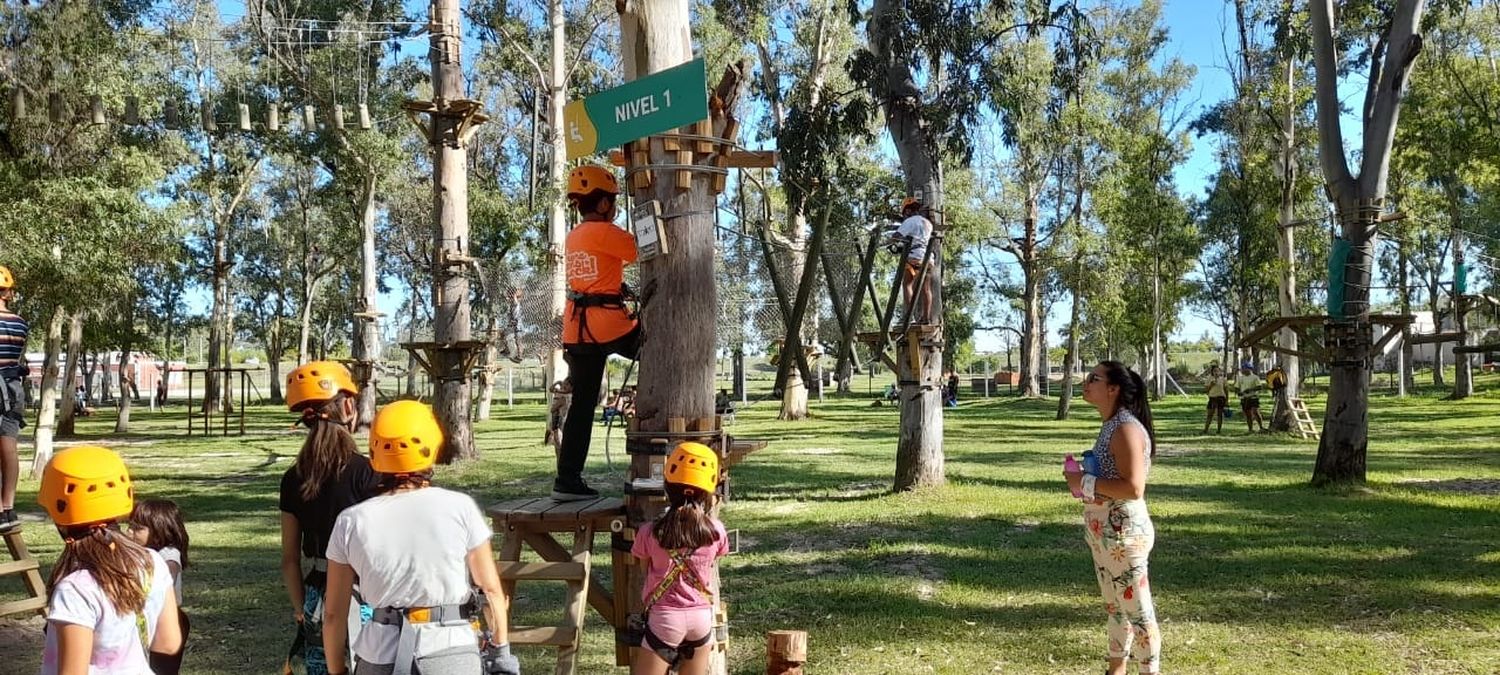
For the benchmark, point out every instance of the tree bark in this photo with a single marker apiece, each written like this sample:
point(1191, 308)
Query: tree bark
point(1286, 249)
point(1031, 298)
point(450, 186)
point(677, 365)
point(919, 450)
point(1359, 200)
point(1463, 373)
point(46, 417)
point(217, 319)
point(1407, 380)
point(557, 164)
point(75, 353)
point(366, 349)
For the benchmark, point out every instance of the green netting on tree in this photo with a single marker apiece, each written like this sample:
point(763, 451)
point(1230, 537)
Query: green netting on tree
point(1337, 258)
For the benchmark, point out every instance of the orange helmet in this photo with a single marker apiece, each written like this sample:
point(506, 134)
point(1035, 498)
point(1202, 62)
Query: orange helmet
point(694, 465)
point(910, 202)
point(405, 438)
point(86, 484)
point(317, 382)
point(591, 178)
point(7, 280)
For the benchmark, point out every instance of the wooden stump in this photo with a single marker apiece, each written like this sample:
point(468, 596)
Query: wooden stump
point(786, 651)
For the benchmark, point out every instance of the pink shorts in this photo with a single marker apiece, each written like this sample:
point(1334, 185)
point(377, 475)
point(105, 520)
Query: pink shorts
point(675, 626)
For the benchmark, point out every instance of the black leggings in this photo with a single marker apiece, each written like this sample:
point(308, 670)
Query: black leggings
point(586, 371)
point(171, 664)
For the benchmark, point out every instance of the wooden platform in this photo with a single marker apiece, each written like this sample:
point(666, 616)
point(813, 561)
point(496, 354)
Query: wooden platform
point(1309, 346)
point(26, 567)
point(533, 522)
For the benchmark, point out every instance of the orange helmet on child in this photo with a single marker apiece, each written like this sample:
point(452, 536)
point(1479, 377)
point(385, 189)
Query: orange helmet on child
point(86, 484)
point(317, 382)
point(7, 280)
point(910, 202)
point(590, 178)
point(694, 465)
point(405, 438)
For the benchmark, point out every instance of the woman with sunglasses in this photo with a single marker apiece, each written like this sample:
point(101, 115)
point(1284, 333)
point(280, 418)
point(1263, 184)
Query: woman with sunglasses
point(1117, 526)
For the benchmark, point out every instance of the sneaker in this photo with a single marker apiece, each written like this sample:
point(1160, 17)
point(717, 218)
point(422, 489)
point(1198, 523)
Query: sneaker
point(8, 521)
point(572, 490)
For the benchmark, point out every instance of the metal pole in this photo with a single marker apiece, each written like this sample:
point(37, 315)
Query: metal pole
point(510, 390)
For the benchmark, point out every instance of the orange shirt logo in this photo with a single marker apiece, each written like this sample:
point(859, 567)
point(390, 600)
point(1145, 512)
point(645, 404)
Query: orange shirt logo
point(582, 266)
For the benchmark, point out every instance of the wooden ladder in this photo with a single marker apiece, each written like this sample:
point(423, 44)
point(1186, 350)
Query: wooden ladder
point(1305, 425)
point(567, 635)
point(26, 567)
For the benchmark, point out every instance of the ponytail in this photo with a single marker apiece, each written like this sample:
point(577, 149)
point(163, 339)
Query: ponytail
point(686, 523)
point(1133, 396)
point(328, 447)
point(118, 564)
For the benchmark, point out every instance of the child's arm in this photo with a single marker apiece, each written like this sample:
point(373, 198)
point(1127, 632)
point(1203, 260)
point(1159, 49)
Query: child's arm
point(75, 647)
point(168, 639)
point(291, 563)
point(336, 604)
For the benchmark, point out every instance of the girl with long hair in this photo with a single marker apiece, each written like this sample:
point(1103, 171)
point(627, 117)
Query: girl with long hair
point(111, 604)
point(1117, 525)
point(157, 524)
point(415, 549)
point(329, 475)
point(679, 550)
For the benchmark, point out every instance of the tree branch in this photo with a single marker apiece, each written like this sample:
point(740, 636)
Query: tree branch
point(1380, 132)
point(1325, 64)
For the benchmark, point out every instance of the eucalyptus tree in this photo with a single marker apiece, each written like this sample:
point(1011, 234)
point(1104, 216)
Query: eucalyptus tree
point(76, 227)
point(1359, 200)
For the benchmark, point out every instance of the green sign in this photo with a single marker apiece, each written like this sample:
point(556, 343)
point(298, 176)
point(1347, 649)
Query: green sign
point(659, 102)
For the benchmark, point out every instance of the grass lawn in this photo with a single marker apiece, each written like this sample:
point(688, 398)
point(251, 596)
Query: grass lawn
point(1253, 571)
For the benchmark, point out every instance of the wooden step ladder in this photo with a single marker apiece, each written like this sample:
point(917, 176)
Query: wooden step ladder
point(26, 567)
point(532, 523)
point(1305, 425)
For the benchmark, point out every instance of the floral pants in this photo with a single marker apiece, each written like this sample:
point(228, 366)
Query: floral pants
point(1120, 536)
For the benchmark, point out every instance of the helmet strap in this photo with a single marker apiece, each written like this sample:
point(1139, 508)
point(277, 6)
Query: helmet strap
point(75, 533)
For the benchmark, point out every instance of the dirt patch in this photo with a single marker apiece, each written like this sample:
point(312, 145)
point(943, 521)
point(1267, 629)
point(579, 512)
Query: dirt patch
point(918, 565)
point(1468, 486)
point(1176, 451)
point(22, 640)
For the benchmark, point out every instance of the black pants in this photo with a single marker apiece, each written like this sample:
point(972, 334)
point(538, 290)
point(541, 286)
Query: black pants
point(586, 371)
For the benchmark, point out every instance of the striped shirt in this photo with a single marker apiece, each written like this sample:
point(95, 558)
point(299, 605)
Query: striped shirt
point(13, 332)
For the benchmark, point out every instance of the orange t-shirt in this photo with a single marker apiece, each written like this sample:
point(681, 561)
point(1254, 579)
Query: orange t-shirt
point(597, 255)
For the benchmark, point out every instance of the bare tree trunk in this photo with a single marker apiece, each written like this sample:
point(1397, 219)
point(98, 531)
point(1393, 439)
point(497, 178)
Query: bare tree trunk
point(122, 406)
point(411, 357)
point(1286, 249)
point(75, 353)
point(557, 164)
point(677, 365)
point(1359, 199)
point(1407, 380)
point(450, 187)
point(46, 417)
point(366, 348)
point(1032, 324)
point(1434, 295)
point(1463, 373)
point(919, 450)
point(1070, 362)
point(217, 319)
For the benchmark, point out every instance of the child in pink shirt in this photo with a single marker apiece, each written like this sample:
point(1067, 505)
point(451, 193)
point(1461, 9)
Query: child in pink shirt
point(679, 551)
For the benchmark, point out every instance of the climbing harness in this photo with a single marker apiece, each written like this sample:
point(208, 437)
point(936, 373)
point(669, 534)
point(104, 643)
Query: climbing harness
point(583, 301)
point(638, 626)
point(446, 616)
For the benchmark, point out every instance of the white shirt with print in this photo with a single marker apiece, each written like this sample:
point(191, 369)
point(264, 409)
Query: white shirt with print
point(79, 600)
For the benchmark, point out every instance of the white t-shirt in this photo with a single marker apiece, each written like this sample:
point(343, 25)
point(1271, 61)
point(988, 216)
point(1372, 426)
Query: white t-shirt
point(1247, 384)
point(409, 550)
point(172, 555)
point(920, 230)
point(79, 600)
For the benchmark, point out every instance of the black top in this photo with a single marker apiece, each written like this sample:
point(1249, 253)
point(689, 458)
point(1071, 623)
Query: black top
point(357, 483)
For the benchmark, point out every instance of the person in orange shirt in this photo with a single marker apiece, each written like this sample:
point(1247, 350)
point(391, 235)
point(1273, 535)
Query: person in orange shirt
point(596, 322)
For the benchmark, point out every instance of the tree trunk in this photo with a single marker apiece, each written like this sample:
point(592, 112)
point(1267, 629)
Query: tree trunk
point(676, 366)
point(557, 165)
point(1032, 324)
point(488, 363)
point(1463, 373)
point(75, 353)
point(217, 319)
point(450, 186)
point(1359, 200)
point(1286, 249)
point(366, 348)
point(46, 417)
point(919, 450)
point(1070, 361)
point(794, 390)
point(1407, 380)
point(1434, 295)
point(122, 407)
point(411, 357)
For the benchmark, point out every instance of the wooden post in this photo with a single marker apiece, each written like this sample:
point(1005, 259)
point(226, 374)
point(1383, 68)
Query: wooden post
point(450, 215)
point(786, 652)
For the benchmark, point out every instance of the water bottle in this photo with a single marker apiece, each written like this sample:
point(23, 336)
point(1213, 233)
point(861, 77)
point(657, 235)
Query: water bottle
point(1090, 463)
point(1070, 465)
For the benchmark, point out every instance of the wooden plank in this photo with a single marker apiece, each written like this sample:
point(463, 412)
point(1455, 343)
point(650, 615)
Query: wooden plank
point(554, 636)
point(567, 655)
point(23, 606)
point(1429, 338)
point(550, 550)
point(543, 571)
point(753, 159)
point(17, 567)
